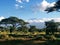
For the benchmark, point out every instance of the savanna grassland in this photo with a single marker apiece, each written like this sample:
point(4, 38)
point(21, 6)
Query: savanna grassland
point(35, 38)
point(14, 31)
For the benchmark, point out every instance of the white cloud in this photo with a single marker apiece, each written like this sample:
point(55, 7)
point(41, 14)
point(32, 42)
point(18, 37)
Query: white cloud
point(21, 6)
point(57, 19)
point(16, 6)
point(40, 23)
point(43, 20)
point(44, 5)
point(27, 0)
point(40, 6)
point(20, 1)
point(1, 18)
point(52, 4)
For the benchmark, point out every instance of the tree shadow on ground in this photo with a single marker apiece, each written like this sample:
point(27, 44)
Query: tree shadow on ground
point(29, 42)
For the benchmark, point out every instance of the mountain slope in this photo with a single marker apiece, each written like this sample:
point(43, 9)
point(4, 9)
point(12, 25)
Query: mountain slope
point(40, 23)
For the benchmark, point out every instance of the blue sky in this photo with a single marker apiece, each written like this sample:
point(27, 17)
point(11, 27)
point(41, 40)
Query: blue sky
point(25, 9)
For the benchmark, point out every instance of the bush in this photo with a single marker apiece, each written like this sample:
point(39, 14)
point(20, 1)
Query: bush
point(3, 36)
point(50, 37)
point(57, 35)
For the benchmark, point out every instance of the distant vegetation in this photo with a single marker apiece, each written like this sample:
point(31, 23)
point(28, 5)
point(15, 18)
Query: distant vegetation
point(14, 31)
point(13, 28)
point(14, 24)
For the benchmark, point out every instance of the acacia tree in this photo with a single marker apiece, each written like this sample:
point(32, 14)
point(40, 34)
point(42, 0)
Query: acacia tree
point(32, 29)
point(13, 22)
point(51, 26)
point(56, 7)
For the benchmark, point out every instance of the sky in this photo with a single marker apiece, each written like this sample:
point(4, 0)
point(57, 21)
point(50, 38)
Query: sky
point(26, 9)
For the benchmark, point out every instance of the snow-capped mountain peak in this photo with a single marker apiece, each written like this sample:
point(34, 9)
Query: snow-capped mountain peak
point(40, 23)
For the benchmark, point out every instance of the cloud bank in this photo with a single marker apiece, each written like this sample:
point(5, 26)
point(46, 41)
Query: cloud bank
point(43, 20)
point(44, 5)
point(40, 23)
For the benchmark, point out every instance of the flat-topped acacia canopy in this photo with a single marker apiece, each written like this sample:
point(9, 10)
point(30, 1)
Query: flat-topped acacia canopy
point(54, 8)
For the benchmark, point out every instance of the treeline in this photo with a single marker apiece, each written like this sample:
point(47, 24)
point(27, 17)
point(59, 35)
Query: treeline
point(15, 24)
